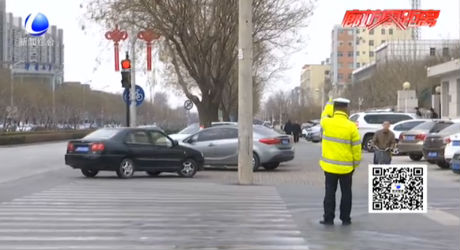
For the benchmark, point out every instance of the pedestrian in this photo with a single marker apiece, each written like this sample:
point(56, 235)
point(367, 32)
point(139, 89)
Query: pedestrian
point(288, 127)
point(417, 112)
point(384, 142)
point(341, 154)
point(434, 115)
point(296, 131)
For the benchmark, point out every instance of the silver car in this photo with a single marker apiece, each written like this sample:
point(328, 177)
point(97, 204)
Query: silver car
point(219, 146)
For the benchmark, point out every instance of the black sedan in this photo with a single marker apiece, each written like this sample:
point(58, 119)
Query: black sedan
point(126, 150)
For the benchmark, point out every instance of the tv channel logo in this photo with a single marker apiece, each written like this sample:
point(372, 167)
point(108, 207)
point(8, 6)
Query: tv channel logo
point(36, 24)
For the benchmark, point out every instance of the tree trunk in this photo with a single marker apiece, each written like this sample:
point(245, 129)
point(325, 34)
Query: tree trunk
point(208, 112)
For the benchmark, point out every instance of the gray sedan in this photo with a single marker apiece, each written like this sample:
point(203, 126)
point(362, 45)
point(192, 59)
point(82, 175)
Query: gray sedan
point(219, 146)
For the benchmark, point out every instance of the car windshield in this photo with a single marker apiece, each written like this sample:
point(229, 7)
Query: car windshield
point(424, 126)
point(452, 129)
point(190, 129)
point(102, 134)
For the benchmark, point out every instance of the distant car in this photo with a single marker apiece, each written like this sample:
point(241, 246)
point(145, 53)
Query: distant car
point(411, 142)
point(369, 122)
point(194, 128)
point(219, 146)
point(435, 143)
point(452, 146)
point(404, 126)
point(313, 133)
point(455, 164)
point(126, 150)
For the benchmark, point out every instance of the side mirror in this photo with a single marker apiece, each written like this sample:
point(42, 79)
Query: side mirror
point(175, 143)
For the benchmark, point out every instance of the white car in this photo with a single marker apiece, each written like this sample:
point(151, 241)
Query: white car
point(452, 146)
point(369, 122)
point(406, 125)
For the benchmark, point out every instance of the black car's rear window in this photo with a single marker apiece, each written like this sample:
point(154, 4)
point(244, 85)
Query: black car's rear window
point(424, 126)
point(102, 134)
point(452, 129)
point(440, 126)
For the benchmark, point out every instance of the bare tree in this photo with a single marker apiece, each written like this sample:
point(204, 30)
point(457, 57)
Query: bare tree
point(201, 36)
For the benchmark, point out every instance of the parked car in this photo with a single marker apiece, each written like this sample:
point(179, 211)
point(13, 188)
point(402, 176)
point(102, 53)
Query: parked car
point(455, 164)
point(453, 146)
point(194, 128)
point(219, 146)
point(404, 126)
point(312, 133)
point(435, 144)
point(411, 142)
point(126, 150)
point(369, 122)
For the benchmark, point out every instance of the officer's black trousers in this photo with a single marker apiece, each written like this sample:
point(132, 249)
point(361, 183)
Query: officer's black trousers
point(329, 198)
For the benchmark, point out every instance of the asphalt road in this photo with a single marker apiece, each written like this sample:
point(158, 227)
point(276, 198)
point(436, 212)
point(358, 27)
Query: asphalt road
point(47, 205)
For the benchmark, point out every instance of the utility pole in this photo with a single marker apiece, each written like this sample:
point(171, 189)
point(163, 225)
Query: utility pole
point(245, 155)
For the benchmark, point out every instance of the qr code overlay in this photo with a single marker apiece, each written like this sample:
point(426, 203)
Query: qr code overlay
point(397, 189)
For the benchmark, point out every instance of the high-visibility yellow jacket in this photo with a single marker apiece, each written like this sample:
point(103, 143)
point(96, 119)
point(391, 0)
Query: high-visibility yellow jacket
point(341, 145)
point(328, 110)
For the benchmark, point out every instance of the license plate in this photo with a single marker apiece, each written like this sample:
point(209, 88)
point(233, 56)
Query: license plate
point(456, 143)
point(456, 166)
point(285, 141)
point(81, 149)
point(410, 138)
point(432, 154)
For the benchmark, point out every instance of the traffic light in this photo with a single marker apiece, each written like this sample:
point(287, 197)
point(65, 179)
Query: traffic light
point(126, 73)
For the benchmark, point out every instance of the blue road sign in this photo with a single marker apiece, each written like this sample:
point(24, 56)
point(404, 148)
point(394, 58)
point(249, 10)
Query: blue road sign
point(140, 95)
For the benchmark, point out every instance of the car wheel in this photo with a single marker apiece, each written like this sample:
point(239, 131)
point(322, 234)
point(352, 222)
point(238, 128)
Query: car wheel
point(255, 162)
point(188, 168)
point(89, 172)
point(367, 143)
point(415, 157)
point(126, 168)
point(443, 164)
point(271, 166)
point(153, 173)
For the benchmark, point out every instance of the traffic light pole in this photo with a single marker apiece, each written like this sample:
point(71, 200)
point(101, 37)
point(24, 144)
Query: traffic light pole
point(127, 111)
point(132, 94)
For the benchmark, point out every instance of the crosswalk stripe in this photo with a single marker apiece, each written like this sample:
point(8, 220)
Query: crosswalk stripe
point(148, 215)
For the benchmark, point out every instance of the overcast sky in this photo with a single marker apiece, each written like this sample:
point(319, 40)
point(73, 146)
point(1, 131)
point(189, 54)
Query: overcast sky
point(89, 57)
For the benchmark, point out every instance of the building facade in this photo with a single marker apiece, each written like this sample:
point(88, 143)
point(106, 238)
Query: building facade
point(368, 40)
point(312, 81)
point(29, 56)
point(342, 55)
point(448, 74)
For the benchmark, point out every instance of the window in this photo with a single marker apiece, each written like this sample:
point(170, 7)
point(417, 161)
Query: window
point(364, 52)
point(380, 118)
point(340, 43)
point(354, 118)
point(349, 76)
point(407, 125)
point(340, 76)
point(445, 51)
point(137, 137)
point(326, 72)
point(452, 129)
point(228, 133)
point(159, 139)
point(102, 134)
point(357, 53)
point(209, 135)
point(358, 65)
point(371, 32)
point(382, 31)
point(371, 42)
point(371, 53)
point(350, 53)
point(357, 31)
point(350, 43)
point(350, 65)
point(432, 51)
point(390, 31)
point(383, 41)
point(339, 54)
point(350, 32)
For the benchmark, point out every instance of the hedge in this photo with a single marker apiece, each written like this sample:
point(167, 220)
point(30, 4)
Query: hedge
point(42, 136)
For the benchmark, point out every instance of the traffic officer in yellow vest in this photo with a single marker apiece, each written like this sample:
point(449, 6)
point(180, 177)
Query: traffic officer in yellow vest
point(341, 154)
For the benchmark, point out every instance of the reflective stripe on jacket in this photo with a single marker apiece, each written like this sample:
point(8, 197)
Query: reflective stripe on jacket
point(341, 145)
